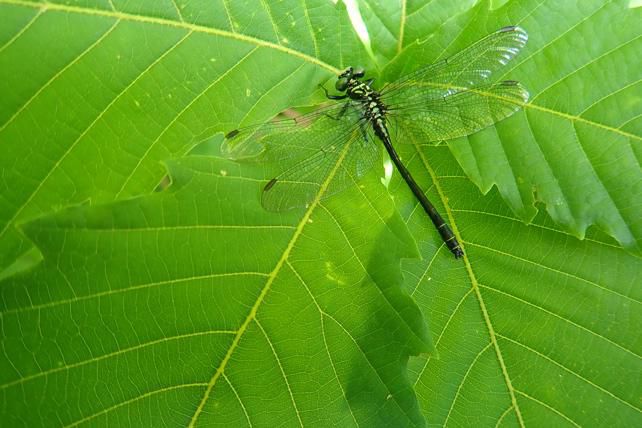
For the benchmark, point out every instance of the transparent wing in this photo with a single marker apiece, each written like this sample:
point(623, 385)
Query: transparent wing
point(468, 68)
point(460, 113)
point(332, 144)
point(348, 156)
point(248, 142)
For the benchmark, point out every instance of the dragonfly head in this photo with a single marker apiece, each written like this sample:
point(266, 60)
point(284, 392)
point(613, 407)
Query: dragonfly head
point(347, 75)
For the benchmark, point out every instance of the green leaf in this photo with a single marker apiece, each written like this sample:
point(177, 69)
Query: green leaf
point(536, 328)
point(195, 304)
point(209, 309)
point(575, 149)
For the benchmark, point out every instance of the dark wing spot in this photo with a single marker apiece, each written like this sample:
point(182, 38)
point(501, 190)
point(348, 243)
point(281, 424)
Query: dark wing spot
point(232, 134)
point(270, 184)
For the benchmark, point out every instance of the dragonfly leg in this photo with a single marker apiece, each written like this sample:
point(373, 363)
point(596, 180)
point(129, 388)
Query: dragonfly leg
point(340, 114)
point(333, 97)
point(364, 130)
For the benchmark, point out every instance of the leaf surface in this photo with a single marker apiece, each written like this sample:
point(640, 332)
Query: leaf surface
point(208, 309)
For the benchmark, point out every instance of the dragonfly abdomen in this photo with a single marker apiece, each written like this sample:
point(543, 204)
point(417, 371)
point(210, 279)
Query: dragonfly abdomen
point(375, 111)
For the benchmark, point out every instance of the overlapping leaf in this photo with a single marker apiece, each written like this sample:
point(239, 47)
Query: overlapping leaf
point(575, 149)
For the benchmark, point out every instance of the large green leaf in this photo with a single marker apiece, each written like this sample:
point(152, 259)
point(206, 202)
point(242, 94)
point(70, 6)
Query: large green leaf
point(205, 309)
point(194, 304)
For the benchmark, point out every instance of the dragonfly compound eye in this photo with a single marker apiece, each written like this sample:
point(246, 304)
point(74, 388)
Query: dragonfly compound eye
point(342, 84)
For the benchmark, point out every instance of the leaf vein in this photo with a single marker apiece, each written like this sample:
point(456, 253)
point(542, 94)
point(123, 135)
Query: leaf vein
point(91, 125)
point(503, 415)
point(541, 403)
point(539, 226)
point(169, 23)
point(566, 369)
point(443, 331)
point(570, 275)
point(369, 363)
point(312, 33)
point(285, 377)
point(599, 100)
point(559, 37)
point(470, 367)
point(366, 273)
point(60, 72)
point(133, 400)
point(117, 353)
point(588, 64)
point(126, 290)
point(325, 341)
point(16, 36)
point(581, 327)
point(238, 398)
point(402, 25)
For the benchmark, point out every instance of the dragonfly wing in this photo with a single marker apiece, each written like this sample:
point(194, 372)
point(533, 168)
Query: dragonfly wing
point(250, 141)
point(460, 113)
point(349, 153)
point(475, 65)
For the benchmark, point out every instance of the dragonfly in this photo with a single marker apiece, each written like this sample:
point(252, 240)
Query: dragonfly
point(330, 148)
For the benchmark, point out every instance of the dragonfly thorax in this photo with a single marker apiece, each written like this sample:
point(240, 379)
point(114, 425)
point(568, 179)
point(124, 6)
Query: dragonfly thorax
point(370, 100)
point(358, 90)
point(350, 82)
